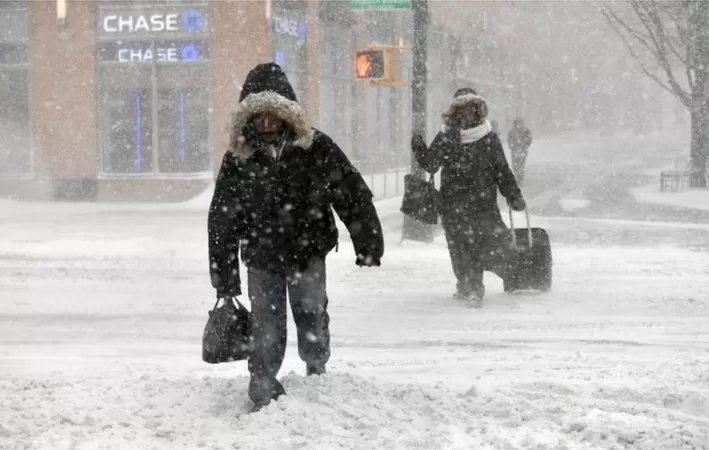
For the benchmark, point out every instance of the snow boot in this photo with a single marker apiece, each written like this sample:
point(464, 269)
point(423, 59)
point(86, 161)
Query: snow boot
point(263, 390)
point(315, 369)
point(475, 300)
point(460, 295)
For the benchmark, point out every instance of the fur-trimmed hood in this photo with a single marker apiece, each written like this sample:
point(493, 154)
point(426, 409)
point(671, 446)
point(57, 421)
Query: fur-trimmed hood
point(464, 99)
point(267, 89)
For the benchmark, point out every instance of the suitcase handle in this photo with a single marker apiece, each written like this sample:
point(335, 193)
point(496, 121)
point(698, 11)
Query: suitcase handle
point(529, 229)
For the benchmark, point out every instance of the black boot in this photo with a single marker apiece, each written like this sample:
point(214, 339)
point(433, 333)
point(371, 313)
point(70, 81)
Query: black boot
point(315, 369)
point(263, 390)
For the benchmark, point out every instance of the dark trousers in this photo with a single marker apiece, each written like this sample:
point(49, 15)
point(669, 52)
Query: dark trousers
point(475, 244)
point(308, 300)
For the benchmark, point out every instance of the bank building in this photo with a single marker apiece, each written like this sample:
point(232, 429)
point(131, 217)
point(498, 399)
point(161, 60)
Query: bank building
point(130, 100)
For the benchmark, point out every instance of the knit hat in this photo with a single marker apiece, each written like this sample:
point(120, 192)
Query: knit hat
point(464, 91)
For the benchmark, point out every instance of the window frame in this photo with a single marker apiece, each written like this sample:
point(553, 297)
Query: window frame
point(154, 87)
point(27, 66)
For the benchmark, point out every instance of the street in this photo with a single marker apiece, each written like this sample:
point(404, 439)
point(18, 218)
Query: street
point(104, 304)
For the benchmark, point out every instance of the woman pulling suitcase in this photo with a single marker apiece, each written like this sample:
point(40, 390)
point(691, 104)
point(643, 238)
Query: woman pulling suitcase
point(473, 168)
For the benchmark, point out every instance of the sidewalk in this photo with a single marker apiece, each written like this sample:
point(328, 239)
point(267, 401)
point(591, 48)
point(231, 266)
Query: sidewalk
point(693, 199)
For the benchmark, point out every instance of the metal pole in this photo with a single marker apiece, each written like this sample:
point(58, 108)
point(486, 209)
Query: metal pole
point(420, 56)
point(413, 229)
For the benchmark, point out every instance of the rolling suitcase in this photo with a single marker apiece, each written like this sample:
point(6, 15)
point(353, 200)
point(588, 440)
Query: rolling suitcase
point(531, 263)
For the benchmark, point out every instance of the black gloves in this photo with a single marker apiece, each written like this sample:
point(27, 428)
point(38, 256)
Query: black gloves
point(517, 204)
point(234, 291)
point(418, 145)
point(368, 257)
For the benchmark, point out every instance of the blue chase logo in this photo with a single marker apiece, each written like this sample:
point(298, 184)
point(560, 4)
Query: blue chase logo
point(192, 21)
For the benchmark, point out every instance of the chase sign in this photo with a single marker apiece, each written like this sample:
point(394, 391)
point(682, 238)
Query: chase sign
point(152, 21)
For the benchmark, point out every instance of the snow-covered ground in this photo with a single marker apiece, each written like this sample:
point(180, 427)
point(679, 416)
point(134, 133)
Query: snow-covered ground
point(694, 198)
point(102, 308)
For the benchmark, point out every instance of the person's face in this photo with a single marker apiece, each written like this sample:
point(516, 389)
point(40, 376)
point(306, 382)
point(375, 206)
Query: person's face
point(267, 123)
point(468, 115)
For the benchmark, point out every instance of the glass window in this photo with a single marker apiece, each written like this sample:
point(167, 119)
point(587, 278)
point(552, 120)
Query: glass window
point(336, 75)
point(126, 120)
point(154, 90)
point(183, 102)
point(14, 23)
point(15, 141)
point(289, 39)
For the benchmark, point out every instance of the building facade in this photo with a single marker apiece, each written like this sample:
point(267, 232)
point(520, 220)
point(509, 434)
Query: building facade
point(129, 100)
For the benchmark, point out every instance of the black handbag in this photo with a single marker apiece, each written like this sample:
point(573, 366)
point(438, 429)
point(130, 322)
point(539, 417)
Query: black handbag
point(227, 334)
point(421, 199)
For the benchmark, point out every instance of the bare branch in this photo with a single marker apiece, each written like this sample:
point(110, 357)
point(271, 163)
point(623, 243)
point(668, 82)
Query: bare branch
point(648, 13)
point(630, 30)
point(683, 34)
point(661, 38)
point(619, 26)
point(616, 23)
point(674, 42)
point(688, 67)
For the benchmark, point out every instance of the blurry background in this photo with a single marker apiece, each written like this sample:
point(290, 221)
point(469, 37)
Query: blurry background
point(129, 100)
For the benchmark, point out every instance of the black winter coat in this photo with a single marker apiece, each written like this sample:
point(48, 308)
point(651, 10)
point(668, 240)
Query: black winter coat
point(471, 173)
point(278, 211)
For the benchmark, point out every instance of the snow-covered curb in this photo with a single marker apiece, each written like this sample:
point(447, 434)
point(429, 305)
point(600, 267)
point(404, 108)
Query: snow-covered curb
point(695, 199)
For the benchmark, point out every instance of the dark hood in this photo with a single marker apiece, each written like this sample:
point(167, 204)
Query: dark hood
point(267, 89)
point(462, 97)
point(267, 77)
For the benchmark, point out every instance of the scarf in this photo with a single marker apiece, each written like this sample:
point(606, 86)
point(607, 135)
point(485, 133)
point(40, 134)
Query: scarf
point(476, 133)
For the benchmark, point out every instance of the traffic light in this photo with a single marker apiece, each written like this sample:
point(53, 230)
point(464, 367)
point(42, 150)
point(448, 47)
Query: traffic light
point(380, 66)
point(370, 64)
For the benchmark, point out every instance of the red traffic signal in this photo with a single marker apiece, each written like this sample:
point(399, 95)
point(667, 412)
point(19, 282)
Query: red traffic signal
point(370, 64)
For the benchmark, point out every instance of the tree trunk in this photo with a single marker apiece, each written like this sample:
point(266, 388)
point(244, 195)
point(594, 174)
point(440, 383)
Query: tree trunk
point(700, 146)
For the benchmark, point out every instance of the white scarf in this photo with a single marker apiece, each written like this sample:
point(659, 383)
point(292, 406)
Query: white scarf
point(476, 133)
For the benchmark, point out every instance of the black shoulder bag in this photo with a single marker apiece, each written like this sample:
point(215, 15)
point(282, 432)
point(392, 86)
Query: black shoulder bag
point(421, 199)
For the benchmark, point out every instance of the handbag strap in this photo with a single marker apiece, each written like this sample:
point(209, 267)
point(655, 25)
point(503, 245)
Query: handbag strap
point(530, 242)
point(240, 305)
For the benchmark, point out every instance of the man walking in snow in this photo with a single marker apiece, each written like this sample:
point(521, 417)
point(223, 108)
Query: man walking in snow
point(519, 139)
point(473, 167)
point(273, 201)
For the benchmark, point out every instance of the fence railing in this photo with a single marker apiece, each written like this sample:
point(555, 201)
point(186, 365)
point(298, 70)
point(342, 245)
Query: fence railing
point(384, 175)
point(386, 184)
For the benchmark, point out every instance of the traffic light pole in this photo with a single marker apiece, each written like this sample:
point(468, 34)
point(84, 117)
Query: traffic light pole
point(420, 56)
point(413, 229)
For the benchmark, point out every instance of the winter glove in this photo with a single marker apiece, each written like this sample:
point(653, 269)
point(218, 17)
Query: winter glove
point(517, 204)
point(452, 132)
point(367, 261)
point(418, 145)
point(234, 291)
point(369, 257)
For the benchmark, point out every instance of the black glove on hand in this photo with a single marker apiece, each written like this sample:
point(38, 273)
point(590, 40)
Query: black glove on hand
point(418, 145)
point(452, 132)
point(364, 259)
point(517, 204)
point(231, 292)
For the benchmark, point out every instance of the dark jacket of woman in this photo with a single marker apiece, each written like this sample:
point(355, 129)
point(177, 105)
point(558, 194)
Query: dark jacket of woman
point(471, 172)
point(278, 211)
